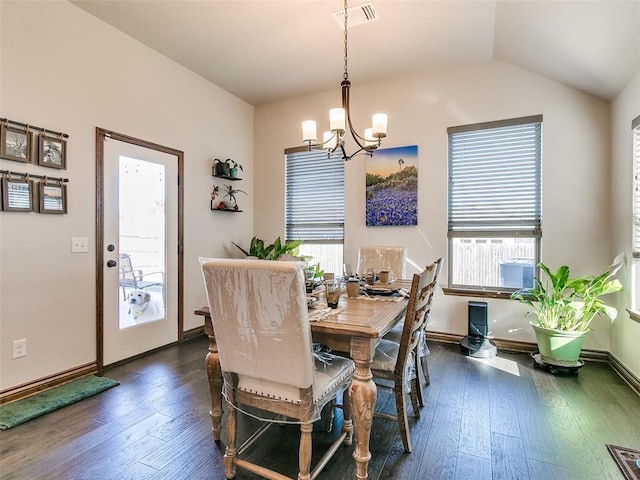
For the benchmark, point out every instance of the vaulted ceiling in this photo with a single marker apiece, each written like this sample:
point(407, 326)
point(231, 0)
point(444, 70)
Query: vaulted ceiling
point(264, 50)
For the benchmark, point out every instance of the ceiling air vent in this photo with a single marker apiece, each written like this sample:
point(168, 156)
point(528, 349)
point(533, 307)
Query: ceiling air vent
point(357, 15)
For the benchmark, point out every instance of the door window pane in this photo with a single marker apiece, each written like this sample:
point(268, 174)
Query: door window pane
point(142, 223)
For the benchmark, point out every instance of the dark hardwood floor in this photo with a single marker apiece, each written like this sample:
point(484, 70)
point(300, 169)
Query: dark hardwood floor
point(497, 419)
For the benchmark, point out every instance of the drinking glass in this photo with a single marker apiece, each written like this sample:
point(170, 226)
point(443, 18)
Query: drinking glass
point(332, 289)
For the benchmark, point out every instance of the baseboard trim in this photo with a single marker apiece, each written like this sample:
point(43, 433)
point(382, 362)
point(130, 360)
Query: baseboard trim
point(31, 388)
point(519, 347)
point(624, 373)
point(193, 333)
point(27, 389)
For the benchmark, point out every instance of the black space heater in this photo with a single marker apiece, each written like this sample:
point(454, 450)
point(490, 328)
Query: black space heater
point(476, 344)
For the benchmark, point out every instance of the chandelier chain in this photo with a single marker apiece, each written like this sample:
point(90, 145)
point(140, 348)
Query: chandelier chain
point(345, 76)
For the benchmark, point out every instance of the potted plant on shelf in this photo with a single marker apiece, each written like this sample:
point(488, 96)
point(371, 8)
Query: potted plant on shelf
point(215, 192)
point(221, 168)
point(564, 307)
point(233, 168)
point(230, 193)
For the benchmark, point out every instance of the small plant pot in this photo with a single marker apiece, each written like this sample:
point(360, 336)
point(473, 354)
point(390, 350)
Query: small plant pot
point(559, 347)
point(222, 169)
point(233, 172)
point(229, 205)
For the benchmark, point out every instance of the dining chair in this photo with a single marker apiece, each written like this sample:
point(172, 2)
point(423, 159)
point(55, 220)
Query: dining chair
point(394, 364)
point(261, 325)
point(391, 258)
point(422, 350)
point(135, 279)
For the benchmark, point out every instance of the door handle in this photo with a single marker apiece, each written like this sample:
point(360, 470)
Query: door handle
point(112, 263)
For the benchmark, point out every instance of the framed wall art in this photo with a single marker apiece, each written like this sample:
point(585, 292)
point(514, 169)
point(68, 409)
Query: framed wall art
point(52, 151)
point(53, 198)
point(15, 143)
point(392, 187)
point(17, 195)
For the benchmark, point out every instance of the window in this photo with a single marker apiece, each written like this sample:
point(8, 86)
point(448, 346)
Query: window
point(635, 302)
point(494, 204)
point(314, 210)
point(635, 125)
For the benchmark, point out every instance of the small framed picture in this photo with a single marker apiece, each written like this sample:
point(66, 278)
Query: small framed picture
point(15, 144)
point(17, 195)
point(52, 152)
point(53, 198)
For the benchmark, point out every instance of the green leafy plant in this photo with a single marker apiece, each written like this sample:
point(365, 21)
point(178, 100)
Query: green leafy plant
point(313, 271)
point(221, 167)
point(570, 304)
point(230, 192)
point(257, 248)
point(234, 164)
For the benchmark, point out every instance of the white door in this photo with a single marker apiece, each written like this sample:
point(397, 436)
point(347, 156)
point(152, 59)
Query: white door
point(140, 249)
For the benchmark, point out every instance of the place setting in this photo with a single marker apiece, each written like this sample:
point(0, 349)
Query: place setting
point(375, 285)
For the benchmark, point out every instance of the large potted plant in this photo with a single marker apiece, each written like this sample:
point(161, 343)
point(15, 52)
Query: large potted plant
point(273, 251)
point(564, 308)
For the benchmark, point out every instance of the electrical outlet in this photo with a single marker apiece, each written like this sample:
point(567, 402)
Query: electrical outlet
point(20, 348)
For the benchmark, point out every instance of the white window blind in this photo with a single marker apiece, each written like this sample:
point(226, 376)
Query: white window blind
point(635, 125)
point(314, 184)
point(495, 178)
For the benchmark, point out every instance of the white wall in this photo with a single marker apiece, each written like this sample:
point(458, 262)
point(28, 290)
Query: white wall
point(65, 70)
point(625, 333)
point(576, 189)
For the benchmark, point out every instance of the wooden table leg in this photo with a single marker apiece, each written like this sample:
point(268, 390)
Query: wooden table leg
point(362, 396)
point(214, 374)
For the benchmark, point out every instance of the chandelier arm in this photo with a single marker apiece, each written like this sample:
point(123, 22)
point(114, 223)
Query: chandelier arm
point(346, 87)
point(311, 146)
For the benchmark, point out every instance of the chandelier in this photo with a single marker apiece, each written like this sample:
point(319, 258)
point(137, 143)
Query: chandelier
point(340, 121)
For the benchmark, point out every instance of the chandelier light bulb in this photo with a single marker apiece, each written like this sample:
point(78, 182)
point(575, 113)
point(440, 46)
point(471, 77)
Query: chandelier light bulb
point(369, 140)
point(309, 131)
point(337, 120)
point(379, 124)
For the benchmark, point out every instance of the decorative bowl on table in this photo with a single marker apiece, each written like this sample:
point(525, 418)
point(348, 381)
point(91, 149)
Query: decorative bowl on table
point(379, 290)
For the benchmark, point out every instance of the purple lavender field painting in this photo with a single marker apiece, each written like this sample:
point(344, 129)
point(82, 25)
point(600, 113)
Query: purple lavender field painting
point(392, 187)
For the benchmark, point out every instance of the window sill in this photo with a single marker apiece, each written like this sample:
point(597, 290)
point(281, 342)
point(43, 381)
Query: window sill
point(634, 314)
point(477, 293)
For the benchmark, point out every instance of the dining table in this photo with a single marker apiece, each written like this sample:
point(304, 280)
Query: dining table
point(354, 328)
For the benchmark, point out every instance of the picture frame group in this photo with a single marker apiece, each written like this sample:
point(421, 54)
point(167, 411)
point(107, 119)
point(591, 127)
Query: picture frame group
point(19, 195)
point(17, 144)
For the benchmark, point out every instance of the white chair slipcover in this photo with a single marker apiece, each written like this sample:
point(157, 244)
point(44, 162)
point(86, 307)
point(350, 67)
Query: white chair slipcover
point(390, 258)
point(261, 326)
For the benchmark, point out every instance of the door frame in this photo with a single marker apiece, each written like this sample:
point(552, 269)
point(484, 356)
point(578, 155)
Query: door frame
point(101, 133)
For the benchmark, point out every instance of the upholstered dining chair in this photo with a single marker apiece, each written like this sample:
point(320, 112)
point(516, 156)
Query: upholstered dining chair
point(379, 258)
point(422, 350)
point(394, 364)
point(260, 321)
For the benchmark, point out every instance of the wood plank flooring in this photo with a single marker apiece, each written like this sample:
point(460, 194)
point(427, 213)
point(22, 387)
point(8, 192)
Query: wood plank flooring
point(495, 419)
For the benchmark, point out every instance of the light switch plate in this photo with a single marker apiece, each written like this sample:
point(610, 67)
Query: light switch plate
point(79, 245)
